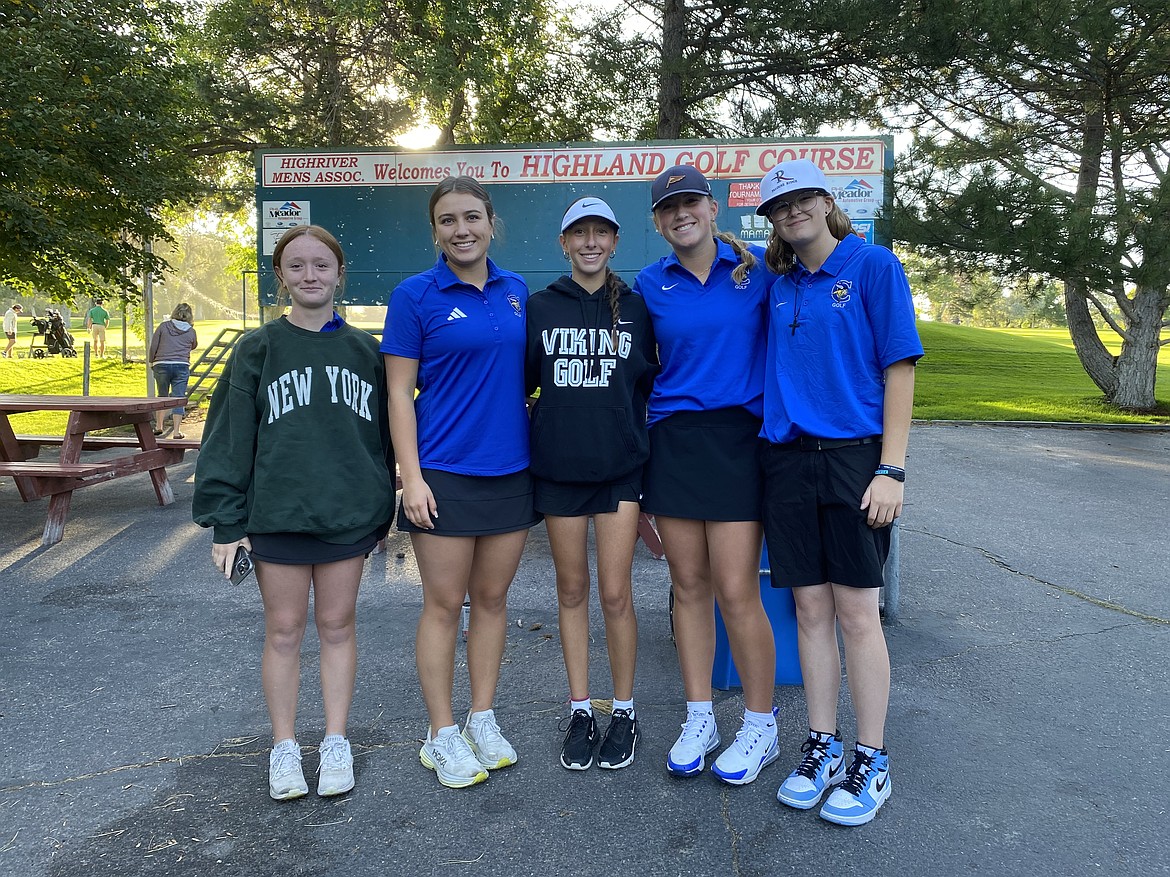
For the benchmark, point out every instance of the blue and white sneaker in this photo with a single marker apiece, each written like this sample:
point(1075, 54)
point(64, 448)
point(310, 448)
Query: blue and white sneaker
point(823, 766)
point(755, 747)
point(699, 738)
point(865, 789)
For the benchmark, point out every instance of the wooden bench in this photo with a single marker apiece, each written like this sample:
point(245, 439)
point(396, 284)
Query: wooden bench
point(46, 479)
point(70, 470)
point(30, 445)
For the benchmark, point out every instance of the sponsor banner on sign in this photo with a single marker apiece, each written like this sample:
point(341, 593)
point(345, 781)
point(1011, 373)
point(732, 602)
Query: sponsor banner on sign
point(754, 228)
point(285, 214)
point(585, 164)
point(271, 237)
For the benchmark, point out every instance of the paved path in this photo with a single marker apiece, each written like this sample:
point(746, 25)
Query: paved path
point(1027, 731)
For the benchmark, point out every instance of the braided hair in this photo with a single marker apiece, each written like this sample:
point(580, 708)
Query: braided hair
point(613, 291)
point(747, 259)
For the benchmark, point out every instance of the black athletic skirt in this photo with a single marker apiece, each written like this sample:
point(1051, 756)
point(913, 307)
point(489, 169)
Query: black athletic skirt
point(477, 505)
point(302, 549)
point(572, 500)
point(704, 465)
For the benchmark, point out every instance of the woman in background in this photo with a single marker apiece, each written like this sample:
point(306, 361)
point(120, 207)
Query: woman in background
point(170, 360)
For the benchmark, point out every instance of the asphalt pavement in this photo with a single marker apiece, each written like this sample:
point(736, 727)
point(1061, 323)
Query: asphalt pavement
point(1029, 724)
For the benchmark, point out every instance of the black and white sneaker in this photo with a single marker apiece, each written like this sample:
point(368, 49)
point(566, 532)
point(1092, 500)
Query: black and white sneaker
point(621, 739)
point(577, 750)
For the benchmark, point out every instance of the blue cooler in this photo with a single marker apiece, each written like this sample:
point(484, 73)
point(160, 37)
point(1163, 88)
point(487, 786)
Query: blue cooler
point(781, 611)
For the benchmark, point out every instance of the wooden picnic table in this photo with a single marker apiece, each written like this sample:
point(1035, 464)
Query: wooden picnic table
point(59, 479)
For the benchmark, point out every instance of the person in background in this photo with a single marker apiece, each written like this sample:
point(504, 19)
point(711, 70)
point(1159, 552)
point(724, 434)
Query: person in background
point(295, 467)
point(170, 360)
point(592, 354)
point(455, 333)
point(10, 316)
point(707, 303)
point(838, 396)
point(97, 320)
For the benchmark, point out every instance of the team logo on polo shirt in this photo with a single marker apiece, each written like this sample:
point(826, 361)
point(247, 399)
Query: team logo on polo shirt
point(840, 293)
point(514, 301)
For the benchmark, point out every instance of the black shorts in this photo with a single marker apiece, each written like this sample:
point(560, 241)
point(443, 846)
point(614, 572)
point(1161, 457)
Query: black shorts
point(477, 505)
point(814, 526)
point(704, 466)
point(302, 549)
point(572, 500)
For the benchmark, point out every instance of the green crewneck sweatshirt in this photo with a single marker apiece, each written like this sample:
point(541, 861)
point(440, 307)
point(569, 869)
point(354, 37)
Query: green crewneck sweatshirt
point(297, 438)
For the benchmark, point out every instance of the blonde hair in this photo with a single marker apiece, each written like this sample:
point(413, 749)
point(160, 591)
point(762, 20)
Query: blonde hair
point(182, 312)
point(747, 259)
point(781, 258)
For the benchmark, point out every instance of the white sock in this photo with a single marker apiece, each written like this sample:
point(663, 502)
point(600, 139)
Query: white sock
point(627, 705)
point(761, 720)
point(585, 704)
point(699, 706)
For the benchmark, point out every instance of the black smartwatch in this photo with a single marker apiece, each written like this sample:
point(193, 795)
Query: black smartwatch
point(895, 472)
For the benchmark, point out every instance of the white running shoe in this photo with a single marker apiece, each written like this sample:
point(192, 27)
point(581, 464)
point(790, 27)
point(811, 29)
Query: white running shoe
point(452, 760)
point(335, 775)
point(699, 738)
point(755, 747)
point(285, 778)
point(483, 735)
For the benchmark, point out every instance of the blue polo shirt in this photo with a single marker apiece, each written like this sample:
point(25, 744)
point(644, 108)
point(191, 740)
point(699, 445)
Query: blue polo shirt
point(854, 318)
point(470, 350)
point(711, 336)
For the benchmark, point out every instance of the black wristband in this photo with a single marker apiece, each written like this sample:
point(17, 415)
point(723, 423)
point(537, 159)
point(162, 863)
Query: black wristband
point(895, 472)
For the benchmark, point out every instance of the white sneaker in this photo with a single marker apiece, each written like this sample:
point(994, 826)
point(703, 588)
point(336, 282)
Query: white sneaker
point(285, 777)
point(452, 760)
point(699, 738)
point(335, 775)
point(755, 747)
point(483, 735)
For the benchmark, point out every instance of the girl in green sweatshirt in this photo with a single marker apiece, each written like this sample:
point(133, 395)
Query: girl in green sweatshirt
point(295, 467)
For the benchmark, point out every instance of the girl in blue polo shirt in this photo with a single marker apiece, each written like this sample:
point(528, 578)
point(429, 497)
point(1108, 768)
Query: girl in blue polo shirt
point(707, 303)
point(838, 394)
point(456, 334)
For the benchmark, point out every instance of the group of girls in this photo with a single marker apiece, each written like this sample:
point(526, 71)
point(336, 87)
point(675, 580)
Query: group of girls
point(734, 392)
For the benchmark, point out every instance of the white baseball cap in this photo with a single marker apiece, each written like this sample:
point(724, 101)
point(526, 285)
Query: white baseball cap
point(588, 208)
point(795, 175)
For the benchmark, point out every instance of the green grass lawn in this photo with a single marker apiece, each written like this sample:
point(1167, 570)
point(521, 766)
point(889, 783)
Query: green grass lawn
point(967, 374)
point(1015, 374)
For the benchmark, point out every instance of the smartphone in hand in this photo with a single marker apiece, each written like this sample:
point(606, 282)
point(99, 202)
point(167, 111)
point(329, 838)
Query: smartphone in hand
point(241, 566)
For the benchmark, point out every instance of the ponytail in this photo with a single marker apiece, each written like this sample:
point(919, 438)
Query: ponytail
point(613, 290)
point(747, 259)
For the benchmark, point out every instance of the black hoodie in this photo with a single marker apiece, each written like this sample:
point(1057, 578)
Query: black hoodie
point(589, 424)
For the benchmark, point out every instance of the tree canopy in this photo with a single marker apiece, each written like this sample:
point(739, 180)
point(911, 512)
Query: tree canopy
point(94, 117)
point(1040, 129)
point(1042, 147)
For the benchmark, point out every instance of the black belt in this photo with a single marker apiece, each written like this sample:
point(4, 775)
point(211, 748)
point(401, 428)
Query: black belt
point(812, 443)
